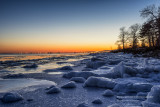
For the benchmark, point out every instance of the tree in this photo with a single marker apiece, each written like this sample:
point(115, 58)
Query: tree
point(145, 32)
point(153, 14)
point(122, 37)
point(133, 32)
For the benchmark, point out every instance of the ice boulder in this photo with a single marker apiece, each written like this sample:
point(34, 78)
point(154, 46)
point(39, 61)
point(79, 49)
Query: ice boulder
point(95, 64)
point(85, 74)
point(78, 79)
point(120, 70)
point(97, 101)
point(99, 82)
point(70, 84)
point(11, 97)
point(66, 68)
point(83, 105)
point(108, 93)
point(154, 95)
point(53, 90)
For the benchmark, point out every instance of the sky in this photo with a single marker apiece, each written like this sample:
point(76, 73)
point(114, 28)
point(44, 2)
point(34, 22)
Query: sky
point(65, 25)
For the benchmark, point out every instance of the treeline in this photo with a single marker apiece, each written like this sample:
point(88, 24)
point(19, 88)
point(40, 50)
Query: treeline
point(146, 35)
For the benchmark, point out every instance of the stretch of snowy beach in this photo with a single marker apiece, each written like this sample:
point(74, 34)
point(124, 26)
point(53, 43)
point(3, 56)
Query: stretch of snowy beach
point(83, 80)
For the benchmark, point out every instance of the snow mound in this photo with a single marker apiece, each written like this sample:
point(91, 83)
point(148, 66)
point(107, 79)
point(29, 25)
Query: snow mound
point(70, 84)
point(78, 79)
point(97, 101)
point(85, 74)
point(108, 93)
point(53, 90)
point(11, 97)
point(99, 82)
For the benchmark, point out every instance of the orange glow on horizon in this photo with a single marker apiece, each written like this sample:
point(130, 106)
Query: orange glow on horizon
point(54, 48)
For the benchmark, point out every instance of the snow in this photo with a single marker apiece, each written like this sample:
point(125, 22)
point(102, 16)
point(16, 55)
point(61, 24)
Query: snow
point(110, 76)
point(100, 82)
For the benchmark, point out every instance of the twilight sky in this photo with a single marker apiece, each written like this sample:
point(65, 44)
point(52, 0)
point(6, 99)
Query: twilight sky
point(65, 25)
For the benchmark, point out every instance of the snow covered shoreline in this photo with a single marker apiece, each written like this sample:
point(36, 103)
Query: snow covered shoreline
point(106, 80)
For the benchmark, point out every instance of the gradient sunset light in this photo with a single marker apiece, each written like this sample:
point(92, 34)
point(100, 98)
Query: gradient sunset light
point(65, 25)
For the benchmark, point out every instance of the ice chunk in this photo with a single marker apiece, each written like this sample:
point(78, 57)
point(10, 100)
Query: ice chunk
point(141, 95)
point(83, 105)
point(85, 74)
point(108, 93)
point(50, 87)
point(139, 87)
point(70, 84)
point(133, 87)
point(120, 70)
point(11, 97)
point(66, 68)
point(78, 79)
point(99, 82)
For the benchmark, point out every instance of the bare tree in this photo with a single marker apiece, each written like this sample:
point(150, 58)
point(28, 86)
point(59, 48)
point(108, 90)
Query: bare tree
point(134, 33)
point(153, 14)
point(122, 37)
